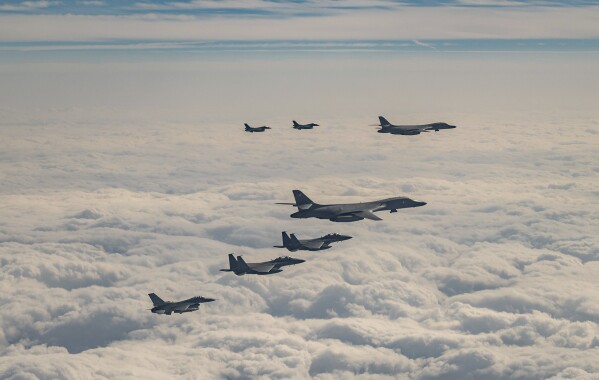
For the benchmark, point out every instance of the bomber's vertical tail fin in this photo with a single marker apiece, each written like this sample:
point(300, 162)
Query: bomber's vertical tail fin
point(302, 201)
point(384, 122)
point(242, 265)
point(155, 299)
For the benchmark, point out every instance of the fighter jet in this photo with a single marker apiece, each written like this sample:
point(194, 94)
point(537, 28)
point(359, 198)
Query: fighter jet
point(303, 126)
point(240, 267)
point(387, 127)
point(292, 243)
point(350, 212)
point(256, 129)
point(167, 307)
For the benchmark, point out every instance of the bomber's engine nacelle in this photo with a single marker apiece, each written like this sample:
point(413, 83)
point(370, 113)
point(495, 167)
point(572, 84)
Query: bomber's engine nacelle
point(346, 218)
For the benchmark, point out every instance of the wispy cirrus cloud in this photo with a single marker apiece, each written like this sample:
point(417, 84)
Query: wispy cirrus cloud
point(97, 3)
point(123, 7)
point(410, 23)
point(25, 6)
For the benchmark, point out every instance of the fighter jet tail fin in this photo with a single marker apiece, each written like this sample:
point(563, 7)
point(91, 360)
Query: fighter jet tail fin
point(155, 299)
point(232, 262)
point(242, 265)
point(286, 239)
point(294, 241)
point(302, 201)
point(247, 127)
point(295, 124)
point(384, 122)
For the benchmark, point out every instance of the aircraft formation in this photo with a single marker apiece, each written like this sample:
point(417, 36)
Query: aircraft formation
point(306, 208)
point(384, 124)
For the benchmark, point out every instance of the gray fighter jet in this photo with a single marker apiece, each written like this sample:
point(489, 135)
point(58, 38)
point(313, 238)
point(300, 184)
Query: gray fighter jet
point(292, 243)
point(298, 126)
point(387, 127)
point(256, 129)
point(167, 307)
point(349, 212)
point(240, 267)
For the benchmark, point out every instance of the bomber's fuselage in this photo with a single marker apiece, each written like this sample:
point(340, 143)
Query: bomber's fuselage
point(413, 129)
point(347, 212)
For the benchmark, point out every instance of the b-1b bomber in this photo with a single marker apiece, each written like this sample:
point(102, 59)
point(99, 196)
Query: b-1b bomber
point(349, 212)
point(292, 243)
point(387, 127)
point(240, 267)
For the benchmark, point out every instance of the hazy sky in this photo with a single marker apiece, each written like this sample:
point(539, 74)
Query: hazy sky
point(124, 170)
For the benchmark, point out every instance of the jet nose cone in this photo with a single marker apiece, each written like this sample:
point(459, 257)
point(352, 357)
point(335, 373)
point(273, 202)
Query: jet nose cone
point(345, 237)
point(299, 261)
point(418, 204)
point(209, 300)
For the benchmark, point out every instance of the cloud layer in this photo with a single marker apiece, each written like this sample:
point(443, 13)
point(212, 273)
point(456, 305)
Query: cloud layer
point(495, 278)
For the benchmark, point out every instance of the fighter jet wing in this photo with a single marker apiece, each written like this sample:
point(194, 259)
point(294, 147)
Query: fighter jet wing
point(261, 267)
point(367, 215)
point(312, 244)
point(181, 307)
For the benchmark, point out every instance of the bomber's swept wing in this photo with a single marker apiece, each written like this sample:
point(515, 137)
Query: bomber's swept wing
point(423, 128)
point(367, 215)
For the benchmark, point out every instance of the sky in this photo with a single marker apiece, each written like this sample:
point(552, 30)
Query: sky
point(124, 170)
